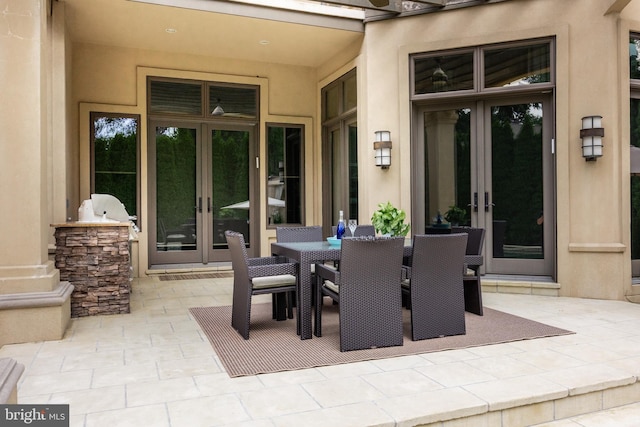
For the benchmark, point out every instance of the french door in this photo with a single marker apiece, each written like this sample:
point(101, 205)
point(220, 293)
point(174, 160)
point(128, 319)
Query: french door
point(201, 183)
point(494, 159)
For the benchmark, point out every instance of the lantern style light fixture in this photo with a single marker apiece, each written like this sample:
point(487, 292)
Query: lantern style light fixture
point(382, 147)
point(591, 134)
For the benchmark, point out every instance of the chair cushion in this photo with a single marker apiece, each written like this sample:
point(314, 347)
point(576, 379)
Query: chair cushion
point(329, 284)
point(273, 281)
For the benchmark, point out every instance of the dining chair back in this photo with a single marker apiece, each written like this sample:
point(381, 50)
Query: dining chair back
point(311, 233)
point(366, 289)
point(435, 289)
point(473, 260)
point(255, 276)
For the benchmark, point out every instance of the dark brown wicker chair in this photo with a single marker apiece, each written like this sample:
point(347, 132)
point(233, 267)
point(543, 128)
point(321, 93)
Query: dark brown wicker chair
point(473, 260)
point(255, 276)
point(367, 292)
point(312, 233)
point(434, 286)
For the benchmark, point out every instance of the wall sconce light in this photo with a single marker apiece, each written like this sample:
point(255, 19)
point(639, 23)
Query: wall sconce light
point(591, 134)
point(382, 146)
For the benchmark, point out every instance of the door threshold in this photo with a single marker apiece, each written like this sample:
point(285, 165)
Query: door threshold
point(188, 268)
point(518, 278)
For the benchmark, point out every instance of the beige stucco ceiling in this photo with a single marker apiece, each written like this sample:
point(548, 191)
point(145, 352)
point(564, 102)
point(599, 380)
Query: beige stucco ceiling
point(135, 24)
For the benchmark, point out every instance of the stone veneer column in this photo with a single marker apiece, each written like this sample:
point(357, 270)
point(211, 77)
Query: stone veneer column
point(94, 258)
point(34, 303)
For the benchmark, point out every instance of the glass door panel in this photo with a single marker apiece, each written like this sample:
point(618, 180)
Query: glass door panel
point(228, 200)
point(494, 161)
point(352, 212)
point(174, 167)
point(447, 162)
point(338, 182)
point(635, 186)
point(516, 195)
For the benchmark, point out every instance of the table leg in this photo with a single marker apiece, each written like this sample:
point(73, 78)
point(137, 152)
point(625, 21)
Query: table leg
point(304, 299)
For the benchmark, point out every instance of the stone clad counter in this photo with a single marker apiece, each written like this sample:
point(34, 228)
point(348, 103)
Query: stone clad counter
point(95, 259)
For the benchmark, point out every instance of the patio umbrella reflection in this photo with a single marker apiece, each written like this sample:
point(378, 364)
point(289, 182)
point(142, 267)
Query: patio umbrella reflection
point(245, 205)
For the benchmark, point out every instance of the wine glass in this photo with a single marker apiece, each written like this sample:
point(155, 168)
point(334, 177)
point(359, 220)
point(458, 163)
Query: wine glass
point(353, 224)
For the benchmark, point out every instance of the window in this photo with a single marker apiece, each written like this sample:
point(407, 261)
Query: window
point(340, 149)
point(512, 66)
point(285, 164)
point(185, 98)
point(501, 66)
point(634, 56)
point(634, 140)
point(114, 158)
point(431, 77)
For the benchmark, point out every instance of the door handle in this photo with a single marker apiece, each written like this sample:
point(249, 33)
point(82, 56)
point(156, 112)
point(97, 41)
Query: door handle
point(475, 202)
point(200, 204)
point(486, 202)
point(208, 204)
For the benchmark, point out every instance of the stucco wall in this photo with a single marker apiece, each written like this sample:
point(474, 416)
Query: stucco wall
point(112, 79)
point(591, 197)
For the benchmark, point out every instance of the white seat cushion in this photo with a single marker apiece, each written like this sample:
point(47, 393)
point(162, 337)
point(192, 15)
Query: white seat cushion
point(273, 281)
point(329, 284)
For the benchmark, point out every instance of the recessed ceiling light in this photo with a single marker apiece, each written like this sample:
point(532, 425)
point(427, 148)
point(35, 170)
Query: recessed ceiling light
point(171, 30)
point(264, 42)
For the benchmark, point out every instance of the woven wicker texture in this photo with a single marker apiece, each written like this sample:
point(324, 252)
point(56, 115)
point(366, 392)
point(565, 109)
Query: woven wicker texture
point(244, 270)
point(370, 300)
point(312, 233)
point(436, 288)
point(473, 261)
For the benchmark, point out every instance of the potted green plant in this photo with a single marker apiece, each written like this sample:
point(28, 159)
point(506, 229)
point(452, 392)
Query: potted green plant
point(455, 215)
point(389, 220)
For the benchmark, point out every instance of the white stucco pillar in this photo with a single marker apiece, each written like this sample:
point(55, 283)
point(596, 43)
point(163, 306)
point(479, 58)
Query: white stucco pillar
point(34, 304)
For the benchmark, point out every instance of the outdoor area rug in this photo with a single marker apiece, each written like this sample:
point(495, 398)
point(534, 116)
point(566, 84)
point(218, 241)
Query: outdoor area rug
point(274, 346)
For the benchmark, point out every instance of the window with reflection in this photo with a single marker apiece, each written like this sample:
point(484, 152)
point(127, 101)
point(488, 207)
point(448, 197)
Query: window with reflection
point(340, 149)
point(512, 66)
point(233, 101)
point(114, 151)
point(501, 66)
point(443, 73)
point(284, 173)
point(634, 56)
point(185, 98)
point(634, 141)
point(175, 97)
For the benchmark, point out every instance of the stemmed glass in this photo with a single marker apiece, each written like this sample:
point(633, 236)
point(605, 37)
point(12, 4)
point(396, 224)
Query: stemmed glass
point(353, 224)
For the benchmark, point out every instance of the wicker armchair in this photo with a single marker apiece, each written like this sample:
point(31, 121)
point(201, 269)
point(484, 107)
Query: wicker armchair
point(366, 289)
point(255, 276)
point(434, 285)
point(473, 260)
